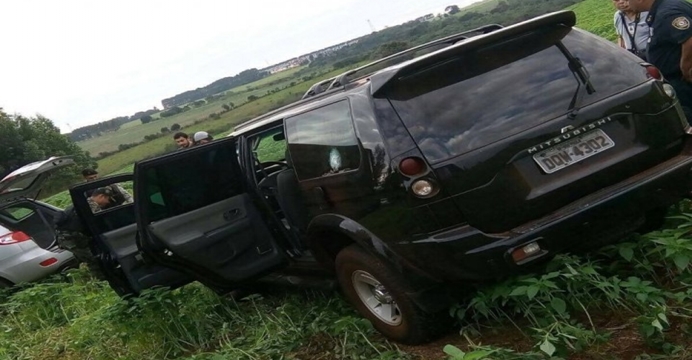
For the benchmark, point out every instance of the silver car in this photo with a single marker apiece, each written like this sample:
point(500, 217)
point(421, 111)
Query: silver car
point(28, 251)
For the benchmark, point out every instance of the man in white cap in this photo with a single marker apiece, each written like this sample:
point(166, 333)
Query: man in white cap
point(202, 137)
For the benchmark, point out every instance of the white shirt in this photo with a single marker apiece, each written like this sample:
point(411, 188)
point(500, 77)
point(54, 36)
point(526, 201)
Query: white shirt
point(641, 37)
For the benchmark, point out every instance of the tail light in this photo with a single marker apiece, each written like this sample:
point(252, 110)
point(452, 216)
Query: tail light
point(669, 90)
point(416, 167)
point(653, 72)
point(13, 238)
point(424, 188)
point(412, 166)
point(48, 262)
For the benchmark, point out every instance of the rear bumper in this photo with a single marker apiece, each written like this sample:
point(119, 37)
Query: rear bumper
point(464, 253)
point(26, 266)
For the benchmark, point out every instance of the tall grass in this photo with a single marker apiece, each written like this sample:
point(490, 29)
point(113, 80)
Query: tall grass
point(79, 318)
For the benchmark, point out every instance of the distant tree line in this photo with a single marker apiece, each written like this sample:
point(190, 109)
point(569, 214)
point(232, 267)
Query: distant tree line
point(25, 140)
point(415, 32)
point(90, 131)
point(244, 77)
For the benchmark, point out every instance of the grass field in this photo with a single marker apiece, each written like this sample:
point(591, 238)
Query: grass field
point(135, 131)
point(226, 121)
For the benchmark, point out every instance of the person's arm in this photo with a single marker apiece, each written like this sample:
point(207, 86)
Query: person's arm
point(686, 60)
point(93, 206)
point(126, 194)
point(617, 20)
point(677, 28)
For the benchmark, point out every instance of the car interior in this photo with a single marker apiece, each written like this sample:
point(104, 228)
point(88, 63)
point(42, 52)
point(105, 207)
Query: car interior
point(208, 220)
point(276, 179)
point(32, 219)
point(118, 247)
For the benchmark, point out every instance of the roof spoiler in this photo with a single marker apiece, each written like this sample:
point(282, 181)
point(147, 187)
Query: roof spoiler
point(342, 79)
point(561, 18)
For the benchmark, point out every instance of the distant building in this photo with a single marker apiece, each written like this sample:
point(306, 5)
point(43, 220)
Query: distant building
point(307, 58)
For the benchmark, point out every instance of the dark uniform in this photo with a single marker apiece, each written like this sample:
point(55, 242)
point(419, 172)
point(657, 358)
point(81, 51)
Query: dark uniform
point(670, 23)
point(69, 234)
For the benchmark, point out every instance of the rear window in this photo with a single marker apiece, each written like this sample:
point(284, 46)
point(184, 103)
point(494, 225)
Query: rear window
point(494, 92)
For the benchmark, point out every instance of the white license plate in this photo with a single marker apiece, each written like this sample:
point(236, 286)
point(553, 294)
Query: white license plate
point(573, 151)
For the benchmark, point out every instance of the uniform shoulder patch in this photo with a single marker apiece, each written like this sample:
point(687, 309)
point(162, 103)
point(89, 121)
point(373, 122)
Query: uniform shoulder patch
point(681, 23)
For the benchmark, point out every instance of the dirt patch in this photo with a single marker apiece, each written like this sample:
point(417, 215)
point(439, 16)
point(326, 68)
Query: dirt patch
point(624, 343)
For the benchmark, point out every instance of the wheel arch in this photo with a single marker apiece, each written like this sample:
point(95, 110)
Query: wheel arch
point(328, 234)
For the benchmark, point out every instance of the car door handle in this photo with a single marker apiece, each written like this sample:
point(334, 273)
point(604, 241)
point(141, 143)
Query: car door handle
point(231, 215)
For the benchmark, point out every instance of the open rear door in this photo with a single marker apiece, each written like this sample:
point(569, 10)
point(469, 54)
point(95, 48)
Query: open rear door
point(115, 234)
point(194, 214)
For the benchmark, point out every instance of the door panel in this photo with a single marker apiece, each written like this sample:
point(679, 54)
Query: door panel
point(197, 216)
point(221, 237)
point(122, 246)
point(114, 231)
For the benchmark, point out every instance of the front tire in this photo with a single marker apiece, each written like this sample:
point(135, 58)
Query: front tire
point(380, 295)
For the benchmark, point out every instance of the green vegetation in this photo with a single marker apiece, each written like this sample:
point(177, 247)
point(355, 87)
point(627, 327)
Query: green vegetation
point(135, 131)
point(582, 303)
point(218, 127)
point(26, 140)
point(198, 112)
point(596, 17)
point(79, 318)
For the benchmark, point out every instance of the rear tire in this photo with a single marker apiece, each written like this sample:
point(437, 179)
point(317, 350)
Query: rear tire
point(380, 295)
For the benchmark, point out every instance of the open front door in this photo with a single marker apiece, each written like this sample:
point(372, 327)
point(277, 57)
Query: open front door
point(194, 213)
point(114, 231)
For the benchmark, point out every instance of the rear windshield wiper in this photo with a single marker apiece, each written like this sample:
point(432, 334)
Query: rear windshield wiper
point(583, 78)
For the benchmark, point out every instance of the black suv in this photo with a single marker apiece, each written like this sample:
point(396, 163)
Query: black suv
point(477, 156)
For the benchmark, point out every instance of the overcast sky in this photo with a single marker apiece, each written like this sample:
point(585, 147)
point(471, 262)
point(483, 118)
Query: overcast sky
point(79, 62)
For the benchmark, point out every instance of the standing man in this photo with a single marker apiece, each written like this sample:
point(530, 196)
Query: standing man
point(182, 140)
point(670, 47)
point(69, 233)
point(90, 174)
point(202, 137)
point(631, 28)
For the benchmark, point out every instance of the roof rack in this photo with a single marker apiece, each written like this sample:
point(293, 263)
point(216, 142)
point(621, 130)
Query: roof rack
point(342, 79)
point(318, 88)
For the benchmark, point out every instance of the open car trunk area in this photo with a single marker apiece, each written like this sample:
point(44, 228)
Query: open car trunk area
point(31, 219)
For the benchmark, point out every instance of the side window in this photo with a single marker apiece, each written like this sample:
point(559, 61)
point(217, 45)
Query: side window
point(323, 141)
point(19, 212)
point(270, 146)
point(192, 182)
point(111, 206)
point(109, 196)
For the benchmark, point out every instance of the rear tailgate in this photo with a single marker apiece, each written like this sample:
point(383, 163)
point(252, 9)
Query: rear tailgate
point(512, 132)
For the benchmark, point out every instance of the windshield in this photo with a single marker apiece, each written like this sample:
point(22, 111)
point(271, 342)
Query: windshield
point(489, 94)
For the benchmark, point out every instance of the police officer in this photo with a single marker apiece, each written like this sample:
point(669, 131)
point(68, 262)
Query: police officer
point(670, 46)
point(69, 233)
